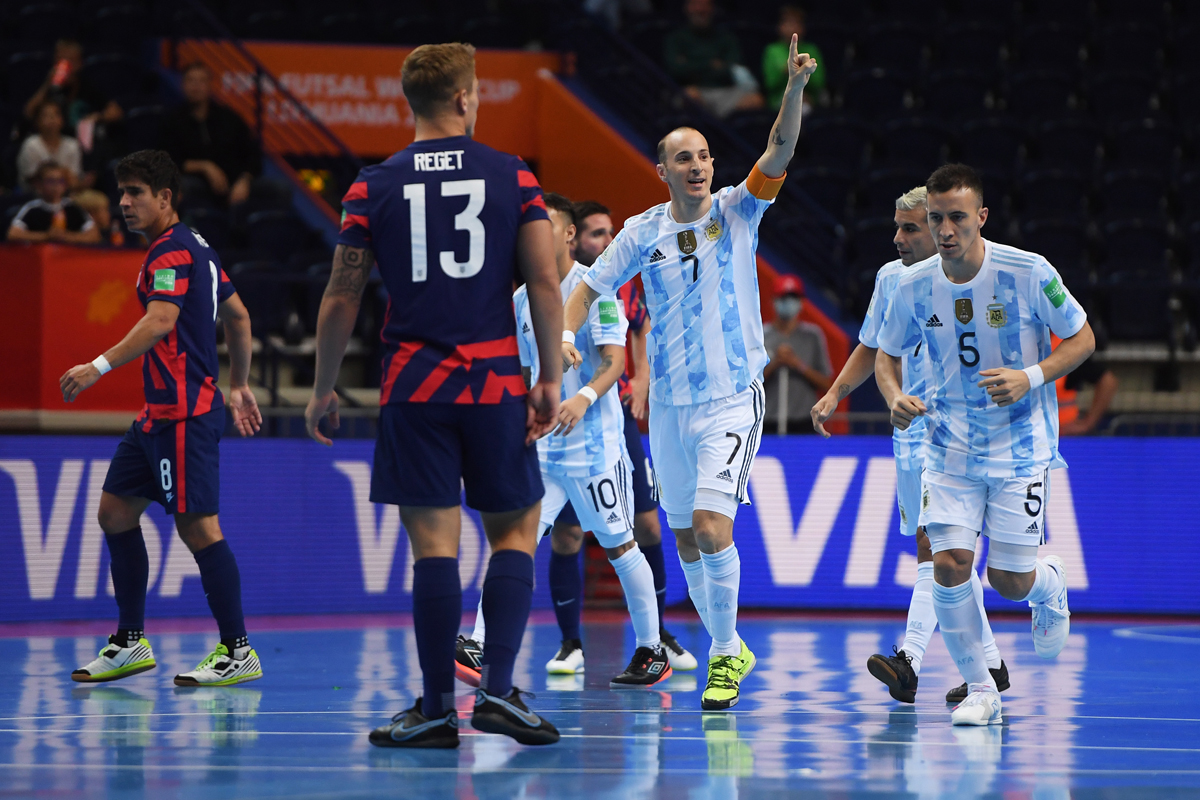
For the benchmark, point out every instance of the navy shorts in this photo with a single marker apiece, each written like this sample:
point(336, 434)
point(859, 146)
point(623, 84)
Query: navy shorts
point(645, 491)
point(426, 452)
point(177, 467)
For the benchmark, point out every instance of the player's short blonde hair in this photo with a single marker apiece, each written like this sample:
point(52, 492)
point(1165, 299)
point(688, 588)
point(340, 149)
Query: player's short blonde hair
point(913, 199)
point(433, 73)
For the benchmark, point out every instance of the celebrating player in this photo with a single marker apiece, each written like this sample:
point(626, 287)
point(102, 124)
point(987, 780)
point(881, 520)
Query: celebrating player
point(448, 220)
point(983, 312)
point(696, 255)
point(584, 462)
point(169, 454)
point(900, 670)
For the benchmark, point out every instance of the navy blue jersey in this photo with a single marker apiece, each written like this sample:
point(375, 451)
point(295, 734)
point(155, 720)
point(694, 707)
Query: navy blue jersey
point(179, 373)
point(442, 217)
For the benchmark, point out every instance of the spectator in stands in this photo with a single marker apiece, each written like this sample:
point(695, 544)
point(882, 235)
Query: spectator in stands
point(705, 58)
point(52, 216)
point(210, 140)
point(49, 144)
point(1071, 421)
point(82, 102)
point(774, 66)
point(800, 347)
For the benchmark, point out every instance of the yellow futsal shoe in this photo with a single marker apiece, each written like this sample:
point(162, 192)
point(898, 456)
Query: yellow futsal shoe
point(725, 674)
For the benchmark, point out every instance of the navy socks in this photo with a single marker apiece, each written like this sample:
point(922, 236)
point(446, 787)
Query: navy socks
point(130, 568)
point(654, 557)
point(507, 595)
point(223, 589)
point(566, 590)
point(437, 612)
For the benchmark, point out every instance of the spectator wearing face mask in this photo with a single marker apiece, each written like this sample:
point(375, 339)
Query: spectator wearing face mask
point(52, 216)
point(799, 347)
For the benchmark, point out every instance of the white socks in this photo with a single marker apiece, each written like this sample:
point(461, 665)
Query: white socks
point(922, 619)
point(693, 573)
point(722, 576)
point(962, 630)
point(991, 653)
point(638, 582)
point(480, 630)
point(1046, 583)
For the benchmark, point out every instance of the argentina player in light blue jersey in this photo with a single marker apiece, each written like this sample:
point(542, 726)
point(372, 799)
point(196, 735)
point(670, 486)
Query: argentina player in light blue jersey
point(584, 462)
point(696, 256)
point(983, 313)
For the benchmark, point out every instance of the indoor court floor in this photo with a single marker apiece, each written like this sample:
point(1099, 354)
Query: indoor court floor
point(1116, 715)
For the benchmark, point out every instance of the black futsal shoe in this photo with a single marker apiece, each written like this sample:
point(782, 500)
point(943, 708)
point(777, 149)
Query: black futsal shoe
point(648, 666)
point(896, 672)
point(468, 661)
point(999, 675)
point(511, 717)
point(412, 728)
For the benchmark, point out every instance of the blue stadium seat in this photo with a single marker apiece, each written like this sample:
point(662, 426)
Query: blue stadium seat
point(753, 126)
point(915, 142)
point(994, 144)
point(875, 94)
point(836, 141)
point(1067, 143)
point(142, 127)
point(1063, 242)
point(277, 233)
point(24, 74)
point(890, 44)
point(1187, 193)
point(972, 46)
point(1185, 89)
point(830, 188)
point(263, 287)
point(1133, 193)
point(882, 186)
point(1040, 93)
point(998, 13)
point(213, 225)
point(1146, 143)
point(955, 93)
point(1070, 13)
point(1053, 194)
point(872, 243)
point(1136, 248)
point(1132, 43)
point(1121, 95)
point(1049, 46)
point(835, 41)
point(1136, 260)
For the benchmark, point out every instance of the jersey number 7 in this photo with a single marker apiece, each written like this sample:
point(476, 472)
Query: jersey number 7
point(695, 266)
point(467, 220)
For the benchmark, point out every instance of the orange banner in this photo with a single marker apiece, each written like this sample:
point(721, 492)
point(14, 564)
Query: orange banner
point(355, 91)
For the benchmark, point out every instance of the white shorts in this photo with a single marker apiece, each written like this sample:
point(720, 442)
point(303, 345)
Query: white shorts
point(603, 503)
point(705, 446)
point(908, 498)
point(1009, 510)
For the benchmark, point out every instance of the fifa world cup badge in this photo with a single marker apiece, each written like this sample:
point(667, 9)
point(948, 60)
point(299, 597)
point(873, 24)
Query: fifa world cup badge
point(687, 241)
point(997, 317)
point(963, 310)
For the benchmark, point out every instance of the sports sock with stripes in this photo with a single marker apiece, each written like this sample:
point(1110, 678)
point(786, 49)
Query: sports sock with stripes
point(566, 591)
point(222, 588)
point(658, 568)
point(437, 611)
point(693, 573)
point(507, 595)
point(922, 619)
point(722, 578)
point(130, 568)
point(991, 652)
point(1046, 583)
point(962, 630)
point(638, 583)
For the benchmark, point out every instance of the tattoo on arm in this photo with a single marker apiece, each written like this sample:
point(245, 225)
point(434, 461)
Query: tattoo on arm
point(351, 268)
point(606, 364)
point(527, 374)
point(842, 391)
point(777, 138)
point(587, 303)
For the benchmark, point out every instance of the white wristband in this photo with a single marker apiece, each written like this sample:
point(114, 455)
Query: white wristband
point(569, 337)
point(590, 394)
point(101, 363)
point(1036, 376)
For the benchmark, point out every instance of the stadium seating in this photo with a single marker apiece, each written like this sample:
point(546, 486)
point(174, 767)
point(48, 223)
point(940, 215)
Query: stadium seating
point(1053, 194)
point(875, 94)
point(278, 233)
point(264, 287)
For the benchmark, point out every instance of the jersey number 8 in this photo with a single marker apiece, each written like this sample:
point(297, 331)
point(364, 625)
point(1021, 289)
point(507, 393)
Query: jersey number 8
point(467, 220)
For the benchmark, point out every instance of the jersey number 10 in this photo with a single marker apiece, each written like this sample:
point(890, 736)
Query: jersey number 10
point(467, 220)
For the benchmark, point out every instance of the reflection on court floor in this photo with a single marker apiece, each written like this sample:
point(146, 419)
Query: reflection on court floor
point(1112, 711)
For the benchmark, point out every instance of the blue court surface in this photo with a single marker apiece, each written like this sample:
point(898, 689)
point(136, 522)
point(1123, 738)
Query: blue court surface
point(1116, 715)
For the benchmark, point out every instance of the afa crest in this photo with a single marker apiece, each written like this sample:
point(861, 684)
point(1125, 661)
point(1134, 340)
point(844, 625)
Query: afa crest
point(997, 316)
point(713, 231)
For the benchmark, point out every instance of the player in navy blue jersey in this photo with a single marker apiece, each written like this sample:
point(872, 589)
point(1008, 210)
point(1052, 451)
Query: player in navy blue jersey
point(169, 455)
point(449, 220)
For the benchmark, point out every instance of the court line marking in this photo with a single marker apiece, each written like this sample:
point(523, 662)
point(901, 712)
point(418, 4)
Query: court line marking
point(1134, 633)
point(623, 737)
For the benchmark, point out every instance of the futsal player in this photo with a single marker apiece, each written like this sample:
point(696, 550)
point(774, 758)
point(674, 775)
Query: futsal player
point(594, 232)
point(900, 671)
point(449, 220)
point(170, 455)
point(696, 255)
point(982, 313)
point(584, 461)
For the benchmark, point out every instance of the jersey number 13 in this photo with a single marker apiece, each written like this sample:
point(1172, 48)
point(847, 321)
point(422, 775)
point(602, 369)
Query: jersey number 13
point(467, 220)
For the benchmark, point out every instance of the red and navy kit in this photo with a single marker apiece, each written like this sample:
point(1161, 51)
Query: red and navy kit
point(442, 217)
point(635, 311)
point(169, 454)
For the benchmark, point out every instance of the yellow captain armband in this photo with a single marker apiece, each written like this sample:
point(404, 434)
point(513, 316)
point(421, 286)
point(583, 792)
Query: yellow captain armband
point(761, 186)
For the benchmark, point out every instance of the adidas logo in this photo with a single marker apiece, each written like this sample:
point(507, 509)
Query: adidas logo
point(612, 518)
point(933, 322)
point(1033, 527)
point(524, 327)
point(725, 476)
point(658, 256)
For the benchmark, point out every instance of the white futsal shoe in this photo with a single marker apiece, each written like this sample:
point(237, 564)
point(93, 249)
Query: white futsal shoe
point(678, 655)
point(1052, 619)
point(222, 668)
point(117, 661)
point(568, 660)
point(982, 707)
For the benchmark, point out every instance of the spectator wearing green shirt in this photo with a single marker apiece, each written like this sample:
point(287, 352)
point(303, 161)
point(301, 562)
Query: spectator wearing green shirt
point(705, 58)
point(775, 58)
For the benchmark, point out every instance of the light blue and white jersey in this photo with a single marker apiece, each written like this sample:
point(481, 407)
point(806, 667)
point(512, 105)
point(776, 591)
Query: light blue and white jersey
point(701, 281)
point(908, 444)
point(1000, 318)
point(598, 441)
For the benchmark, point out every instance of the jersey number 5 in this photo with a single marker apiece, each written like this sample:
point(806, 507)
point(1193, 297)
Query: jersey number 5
point(467, 220)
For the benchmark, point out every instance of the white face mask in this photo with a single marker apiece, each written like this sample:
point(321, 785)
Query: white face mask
point(788, 307)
